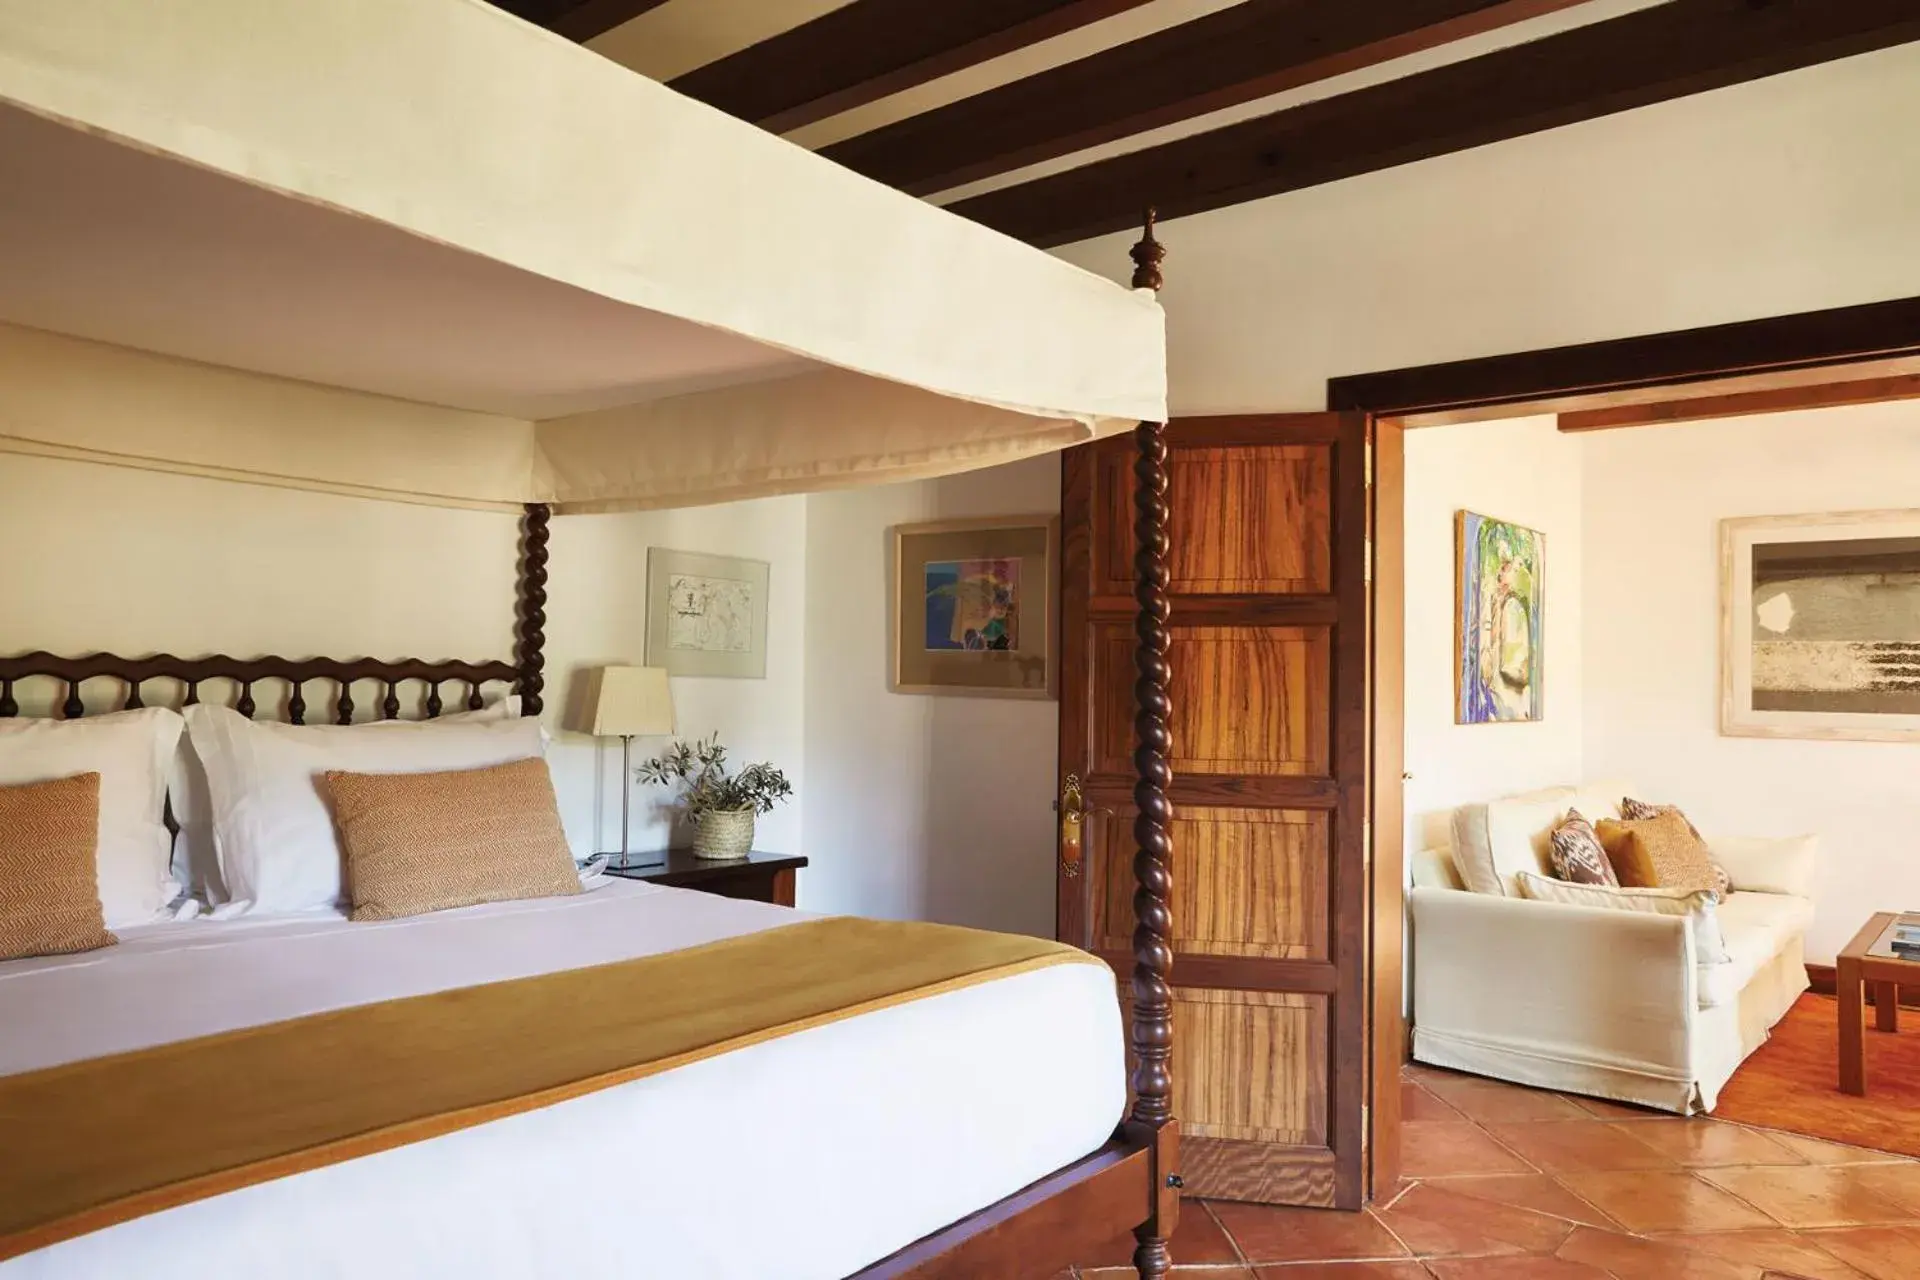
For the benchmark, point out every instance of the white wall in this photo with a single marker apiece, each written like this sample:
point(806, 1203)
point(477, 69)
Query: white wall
point(104, 558)
point(1793, 193)
point(921, 807)
point(1527, 472)
point(1654, 500)
point(909, 806)
point(597, 615)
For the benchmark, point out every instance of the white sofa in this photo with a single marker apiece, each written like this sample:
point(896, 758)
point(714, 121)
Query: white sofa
point(1611, 1004)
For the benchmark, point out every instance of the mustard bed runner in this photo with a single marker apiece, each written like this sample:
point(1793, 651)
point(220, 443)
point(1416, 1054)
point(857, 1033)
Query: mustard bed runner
point(90, 1144)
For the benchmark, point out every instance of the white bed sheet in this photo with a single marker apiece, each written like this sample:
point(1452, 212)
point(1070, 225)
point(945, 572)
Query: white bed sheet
point(803, 1158)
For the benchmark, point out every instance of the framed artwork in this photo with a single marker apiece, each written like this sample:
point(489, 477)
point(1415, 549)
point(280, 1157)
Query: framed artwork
point(1500, 615)
point(973, 607)
point(706, 615)
point(1820, 626)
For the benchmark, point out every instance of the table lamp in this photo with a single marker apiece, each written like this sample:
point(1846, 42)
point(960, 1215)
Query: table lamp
point(628, 703)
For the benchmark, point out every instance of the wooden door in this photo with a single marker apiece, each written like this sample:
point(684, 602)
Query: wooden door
point(1268, 563)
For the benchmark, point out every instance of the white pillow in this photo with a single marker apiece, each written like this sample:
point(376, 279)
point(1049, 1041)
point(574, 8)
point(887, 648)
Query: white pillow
point(131, 751)
point(196, 861)
point(1756, 864)
point(272, 830)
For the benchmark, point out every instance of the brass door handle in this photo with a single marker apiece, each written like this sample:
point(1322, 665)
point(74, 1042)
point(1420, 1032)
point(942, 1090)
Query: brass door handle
point(1073, 824)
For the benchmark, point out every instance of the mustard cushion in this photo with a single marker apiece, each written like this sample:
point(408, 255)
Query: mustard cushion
point(419, 842)
point(49, 881)
point(1661, 852)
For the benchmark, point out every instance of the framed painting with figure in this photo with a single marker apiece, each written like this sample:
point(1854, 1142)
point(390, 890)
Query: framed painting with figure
point(706, 615)
point(1820, 626)
point(1500, 606)
point(973, 607)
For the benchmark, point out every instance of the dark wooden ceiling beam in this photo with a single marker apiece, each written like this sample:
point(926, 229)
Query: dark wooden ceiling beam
point(1669, 51)
point(579, 20)
point(1221, 60)
point(1872, 331)
point(868, 49)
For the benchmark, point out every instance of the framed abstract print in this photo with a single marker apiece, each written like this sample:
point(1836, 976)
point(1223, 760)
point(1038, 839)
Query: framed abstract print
point(973, 607)
point(706, 615)
point(1820, 626)
point(1500, 606)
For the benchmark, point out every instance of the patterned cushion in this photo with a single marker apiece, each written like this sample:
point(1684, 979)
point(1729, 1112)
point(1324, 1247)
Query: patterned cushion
point(1638, 810)
point(1578, 857)
point(1657, 853)
point(419, 842)
point(49, 886)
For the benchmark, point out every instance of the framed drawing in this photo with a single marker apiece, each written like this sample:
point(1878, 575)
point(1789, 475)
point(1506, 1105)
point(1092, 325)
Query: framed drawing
point(1820, 626)
point(973, 607)
point(1500, 614)
point(706, 615)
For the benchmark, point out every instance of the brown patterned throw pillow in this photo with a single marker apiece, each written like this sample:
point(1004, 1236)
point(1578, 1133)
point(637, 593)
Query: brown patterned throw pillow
point(419, 842)
point(49, 883)
point(1657, 853)
point(1638, 810)
point(1578, 857)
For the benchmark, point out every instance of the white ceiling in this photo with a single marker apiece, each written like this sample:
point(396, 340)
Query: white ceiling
point(101, 241)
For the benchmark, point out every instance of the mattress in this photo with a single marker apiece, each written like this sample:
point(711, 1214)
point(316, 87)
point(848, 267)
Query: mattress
point(807, 1156)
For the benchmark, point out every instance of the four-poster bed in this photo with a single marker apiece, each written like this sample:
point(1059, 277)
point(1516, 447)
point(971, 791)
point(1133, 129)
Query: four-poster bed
point(1130, 1184)
point(1049, 358)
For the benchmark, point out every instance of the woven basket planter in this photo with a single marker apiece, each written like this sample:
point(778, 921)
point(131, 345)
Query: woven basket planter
point(723, 834)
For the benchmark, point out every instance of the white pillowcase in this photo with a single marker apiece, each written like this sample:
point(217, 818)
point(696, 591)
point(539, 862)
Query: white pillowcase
point(131, 751)
point(196, 860)
point(272, 830)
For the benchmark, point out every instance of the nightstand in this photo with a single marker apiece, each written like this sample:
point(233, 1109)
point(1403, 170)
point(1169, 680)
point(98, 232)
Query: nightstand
point(758, 877)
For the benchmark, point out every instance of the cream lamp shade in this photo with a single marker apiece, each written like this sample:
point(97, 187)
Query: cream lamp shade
point(629, 702)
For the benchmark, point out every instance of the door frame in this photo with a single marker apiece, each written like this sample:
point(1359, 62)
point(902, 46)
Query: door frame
point(1797, 350)
point(1775, 350)
point(1388, 1049)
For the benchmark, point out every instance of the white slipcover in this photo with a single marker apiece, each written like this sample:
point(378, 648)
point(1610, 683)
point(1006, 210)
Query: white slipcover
point(1595, 1001)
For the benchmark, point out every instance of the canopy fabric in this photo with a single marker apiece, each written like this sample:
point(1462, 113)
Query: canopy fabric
point(764, 438)
point(912, 342)
point(90, 402)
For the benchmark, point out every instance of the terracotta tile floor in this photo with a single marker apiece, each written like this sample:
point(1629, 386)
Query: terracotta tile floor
point(1505, 1183)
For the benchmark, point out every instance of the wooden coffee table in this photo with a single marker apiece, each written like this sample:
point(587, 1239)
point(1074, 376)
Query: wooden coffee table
point(1867, 959)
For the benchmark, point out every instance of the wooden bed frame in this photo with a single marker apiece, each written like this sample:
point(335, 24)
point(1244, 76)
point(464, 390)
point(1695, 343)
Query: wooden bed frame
point(1131, 1183)
point(525, 673)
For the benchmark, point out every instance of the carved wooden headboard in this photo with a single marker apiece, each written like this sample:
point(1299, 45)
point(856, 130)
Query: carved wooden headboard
point(291, 677)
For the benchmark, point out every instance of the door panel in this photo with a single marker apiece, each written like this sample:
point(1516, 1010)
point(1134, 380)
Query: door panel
point(1215, 549)
point(1268, 648)
point(1236, 1044)
point(1246, 882)
point(1246, 700)
point(1212, 548)
point(1250, 700)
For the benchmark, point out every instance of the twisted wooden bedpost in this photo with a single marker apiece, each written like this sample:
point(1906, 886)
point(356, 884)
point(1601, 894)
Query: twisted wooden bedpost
point(1152, 1112)
point(532, 608)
